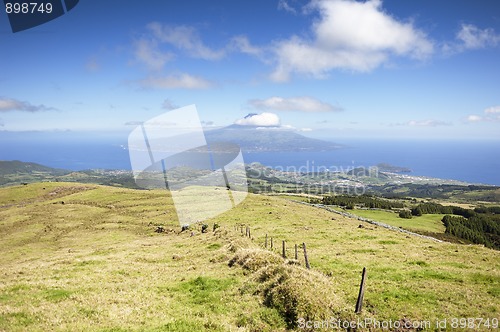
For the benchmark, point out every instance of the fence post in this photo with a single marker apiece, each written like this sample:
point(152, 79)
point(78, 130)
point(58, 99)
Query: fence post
point(284, 249)
point(249, 232)
point(265, 245)
point(305, 256)
point(296, 252)
point(271, 243)
point(359, 302)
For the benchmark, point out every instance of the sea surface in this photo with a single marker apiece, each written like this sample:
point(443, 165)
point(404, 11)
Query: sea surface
point(469, 161)
point(474, 161)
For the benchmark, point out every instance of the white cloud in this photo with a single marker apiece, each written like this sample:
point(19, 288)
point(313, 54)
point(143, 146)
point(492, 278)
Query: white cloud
point(185, 38)
point(428, 123)
point(423, 123)
point(181, 81)
point(267, 121)
point(9, 104)
point(161, 43)
point(243, 45)
point(133, 123)
point(491, 114)
point(471, 37)
point(351, 35)
point(303, 104)
point(260, 120)
point(492, 110)
point(474, 118)
point(168, 105)
point(283, 5)
point(147, 52)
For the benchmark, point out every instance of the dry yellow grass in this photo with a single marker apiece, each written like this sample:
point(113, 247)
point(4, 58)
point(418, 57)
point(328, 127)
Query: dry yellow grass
point(94, 263)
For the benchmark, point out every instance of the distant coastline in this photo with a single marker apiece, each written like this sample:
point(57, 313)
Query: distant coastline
point(468, 161)
point(385, 167)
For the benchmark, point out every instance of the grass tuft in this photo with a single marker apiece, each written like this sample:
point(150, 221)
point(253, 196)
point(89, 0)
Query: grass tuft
point(255, 259)
point(294, 292)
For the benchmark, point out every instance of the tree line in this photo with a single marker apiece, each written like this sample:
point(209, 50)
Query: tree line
point(349, 202)
point(435, 208)
point(480, 226)
point(480, 229)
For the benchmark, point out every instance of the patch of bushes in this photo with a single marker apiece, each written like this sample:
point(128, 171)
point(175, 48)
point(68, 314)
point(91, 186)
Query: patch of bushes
point(364, 200)
point(405, 214)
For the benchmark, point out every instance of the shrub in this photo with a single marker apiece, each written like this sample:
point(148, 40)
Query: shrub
point(405, 214)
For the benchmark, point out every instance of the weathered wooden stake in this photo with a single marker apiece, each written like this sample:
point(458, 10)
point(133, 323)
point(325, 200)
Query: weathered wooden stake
point(305, 256)
point(241, 229)
point(359, 303)
point(249, 232)
point(284, 249)
point(271, 243)
point(265, 245)
point(296, 252)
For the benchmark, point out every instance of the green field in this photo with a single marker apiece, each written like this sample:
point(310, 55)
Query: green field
point(426, 223)
point(85, 257)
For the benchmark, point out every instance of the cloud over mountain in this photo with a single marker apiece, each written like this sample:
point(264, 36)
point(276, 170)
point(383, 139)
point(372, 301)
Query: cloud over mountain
point(259, 120)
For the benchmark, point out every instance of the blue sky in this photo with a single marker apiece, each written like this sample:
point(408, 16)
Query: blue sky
point(338, 69)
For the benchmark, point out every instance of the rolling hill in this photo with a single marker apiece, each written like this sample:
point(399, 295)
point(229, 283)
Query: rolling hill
point(87, 257)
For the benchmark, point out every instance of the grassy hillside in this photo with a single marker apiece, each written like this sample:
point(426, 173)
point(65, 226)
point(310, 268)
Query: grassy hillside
point(430, 223)
point(86, 257)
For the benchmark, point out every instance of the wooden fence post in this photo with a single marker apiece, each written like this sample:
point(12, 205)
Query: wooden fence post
point(265, 245)
point(249, 232)
point(284, 249)
point(271, 243)
point(305, 256)
point(296, 252)
point(359, 302)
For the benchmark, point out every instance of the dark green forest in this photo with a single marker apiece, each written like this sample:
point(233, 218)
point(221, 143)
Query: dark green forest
point(366, 201)
point(480, 225)
point(479, 228)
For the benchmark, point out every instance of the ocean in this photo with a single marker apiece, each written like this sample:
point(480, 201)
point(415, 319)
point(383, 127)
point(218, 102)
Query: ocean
point(469, 161)
point(473, 161)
